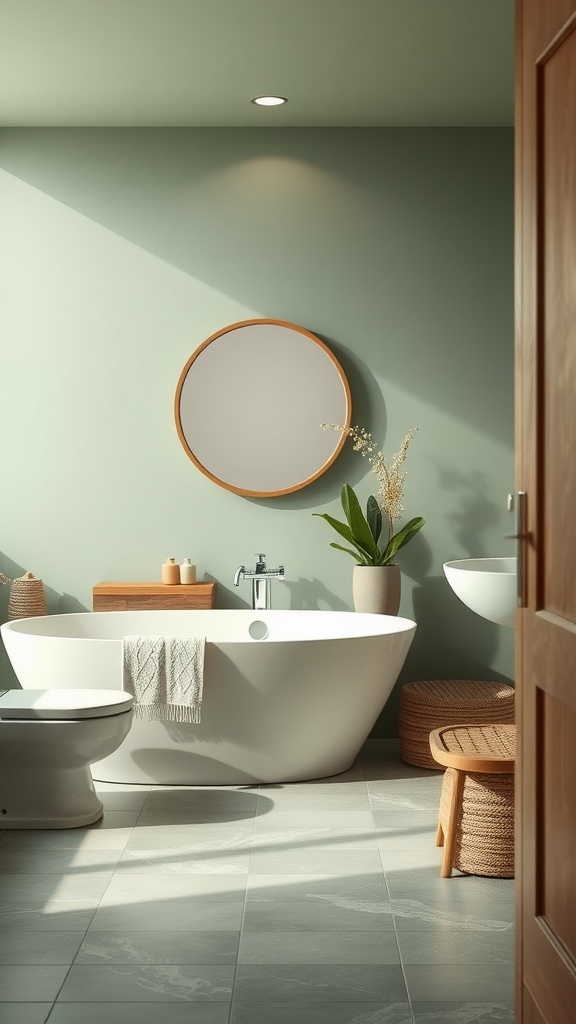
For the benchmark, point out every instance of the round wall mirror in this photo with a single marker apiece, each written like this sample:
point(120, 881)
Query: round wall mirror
point(249, 405)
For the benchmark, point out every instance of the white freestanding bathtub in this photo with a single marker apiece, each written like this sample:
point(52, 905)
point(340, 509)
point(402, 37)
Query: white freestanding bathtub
point(296, 704)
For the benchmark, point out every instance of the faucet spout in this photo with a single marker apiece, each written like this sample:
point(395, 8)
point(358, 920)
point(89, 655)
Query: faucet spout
point(261, 581)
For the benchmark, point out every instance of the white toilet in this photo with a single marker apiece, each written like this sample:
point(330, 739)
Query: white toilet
point(48, 740)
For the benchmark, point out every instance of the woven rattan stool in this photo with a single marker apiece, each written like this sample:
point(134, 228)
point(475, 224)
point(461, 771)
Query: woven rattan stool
point(476, 819)
point(432, 703)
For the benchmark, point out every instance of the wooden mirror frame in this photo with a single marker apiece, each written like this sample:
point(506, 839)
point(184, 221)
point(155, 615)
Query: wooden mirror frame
point(200, 418)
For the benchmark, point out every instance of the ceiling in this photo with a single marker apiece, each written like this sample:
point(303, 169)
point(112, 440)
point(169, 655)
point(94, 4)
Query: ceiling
point(199, 62)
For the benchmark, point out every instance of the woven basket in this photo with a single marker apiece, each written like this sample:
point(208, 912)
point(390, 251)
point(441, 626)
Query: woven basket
point(433, 703)
point(27, 597)
point(484, 832)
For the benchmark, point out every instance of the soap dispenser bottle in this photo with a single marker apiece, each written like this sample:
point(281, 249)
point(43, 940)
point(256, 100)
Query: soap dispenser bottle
point(170, 572)
point(187, 572)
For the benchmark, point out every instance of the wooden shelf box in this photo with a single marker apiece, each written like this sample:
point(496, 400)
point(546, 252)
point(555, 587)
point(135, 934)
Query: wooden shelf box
point(120, 597)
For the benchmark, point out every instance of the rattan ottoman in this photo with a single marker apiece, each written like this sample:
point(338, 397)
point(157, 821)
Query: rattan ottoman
point(429, 704)
point(476, 818)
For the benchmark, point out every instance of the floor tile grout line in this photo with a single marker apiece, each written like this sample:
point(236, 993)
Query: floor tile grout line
point(73, 963)
point(243, 915)
point(401, 960)
point(73, 960)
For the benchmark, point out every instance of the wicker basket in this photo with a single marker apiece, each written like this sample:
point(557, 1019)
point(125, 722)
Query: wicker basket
point(476, 818)
point(27, 597)
point(432, 703)
point(484, 834)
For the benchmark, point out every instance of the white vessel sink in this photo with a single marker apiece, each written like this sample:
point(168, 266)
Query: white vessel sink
point(485, 585)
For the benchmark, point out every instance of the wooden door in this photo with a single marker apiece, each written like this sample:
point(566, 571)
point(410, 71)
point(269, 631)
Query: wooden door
point(546, 470)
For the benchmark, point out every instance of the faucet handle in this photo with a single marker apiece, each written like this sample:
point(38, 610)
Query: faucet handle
point(261, 560)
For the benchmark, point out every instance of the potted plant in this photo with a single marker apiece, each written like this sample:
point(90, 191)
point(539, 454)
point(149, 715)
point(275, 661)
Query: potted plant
point(376, 576)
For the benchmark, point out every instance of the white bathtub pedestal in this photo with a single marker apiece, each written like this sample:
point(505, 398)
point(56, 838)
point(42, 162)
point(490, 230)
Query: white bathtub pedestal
point(164, 766)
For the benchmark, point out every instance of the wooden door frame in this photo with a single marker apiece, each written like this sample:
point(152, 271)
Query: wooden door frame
point(545, 23)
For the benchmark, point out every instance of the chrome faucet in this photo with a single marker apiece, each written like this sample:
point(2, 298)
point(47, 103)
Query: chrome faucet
point(261, 581)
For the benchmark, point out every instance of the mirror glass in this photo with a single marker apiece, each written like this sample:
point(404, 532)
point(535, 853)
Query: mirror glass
point(249, 405)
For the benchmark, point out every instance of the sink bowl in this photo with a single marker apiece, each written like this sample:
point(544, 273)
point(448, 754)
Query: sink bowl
point(485, 585)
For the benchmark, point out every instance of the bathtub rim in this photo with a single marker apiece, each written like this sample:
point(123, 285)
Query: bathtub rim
point(374, 624)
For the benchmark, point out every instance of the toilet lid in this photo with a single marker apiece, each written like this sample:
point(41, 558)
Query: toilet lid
point(63, 704)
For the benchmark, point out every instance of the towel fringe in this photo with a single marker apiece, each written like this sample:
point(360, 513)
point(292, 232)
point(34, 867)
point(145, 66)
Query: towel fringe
point(167, 713)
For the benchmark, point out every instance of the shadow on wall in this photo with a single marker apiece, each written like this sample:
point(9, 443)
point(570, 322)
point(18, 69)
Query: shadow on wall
point(229, 597)
point(311, 594)
point(366, 394)
point(474, 514)
point(305, 595)
point(451, 642)
point(416, 560)
point(12, 570)
point(55, 602)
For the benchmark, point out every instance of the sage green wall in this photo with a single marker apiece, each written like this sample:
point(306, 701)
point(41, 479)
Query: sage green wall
point(122, 250)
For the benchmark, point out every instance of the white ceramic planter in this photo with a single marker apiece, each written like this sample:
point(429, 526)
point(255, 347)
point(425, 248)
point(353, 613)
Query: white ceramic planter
point(376, 588)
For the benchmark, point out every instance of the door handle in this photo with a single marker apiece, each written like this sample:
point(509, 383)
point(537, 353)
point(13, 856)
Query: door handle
point(517, 505)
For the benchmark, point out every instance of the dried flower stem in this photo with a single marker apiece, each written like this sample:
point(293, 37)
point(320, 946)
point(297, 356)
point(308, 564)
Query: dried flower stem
point(390, 480)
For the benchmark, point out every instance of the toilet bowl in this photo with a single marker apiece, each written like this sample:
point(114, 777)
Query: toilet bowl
point(48, 740)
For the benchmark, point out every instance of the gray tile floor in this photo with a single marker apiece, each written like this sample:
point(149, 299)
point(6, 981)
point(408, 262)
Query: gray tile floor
point(311, 903)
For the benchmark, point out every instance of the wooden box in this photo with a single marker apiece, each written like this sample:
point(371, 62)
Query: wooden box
point(120, 597)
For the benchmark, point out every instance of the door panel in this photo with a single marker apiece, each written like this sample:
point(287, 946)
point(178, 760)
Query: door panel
point(531, 1013)
point(557, 811)
point(546, 470)
point(556, 142)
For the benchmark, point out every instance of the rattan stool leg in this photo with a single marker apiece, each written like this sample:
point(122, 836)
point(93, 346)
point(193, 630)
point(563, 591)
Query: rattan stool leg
point(454, 809)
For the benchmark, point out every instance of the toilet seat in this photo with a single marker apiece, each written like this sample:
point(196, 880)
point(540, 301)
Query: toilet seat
point(62, 704)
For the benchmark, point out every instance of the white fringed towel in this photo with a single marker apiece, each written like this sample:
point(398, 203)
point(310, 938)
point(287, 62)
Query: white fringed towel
point(165, 675)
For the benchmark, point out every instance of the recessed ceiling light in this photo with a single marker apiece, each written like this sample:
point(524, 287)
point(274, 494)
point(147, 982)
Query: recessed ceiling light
point(269, 101)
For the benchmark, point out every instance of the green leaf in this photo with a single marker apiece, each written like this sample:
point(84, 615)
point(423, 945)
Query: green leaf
point(344, 532)
point(401, 538)
point(374, 517)
point(361, 534)
point(340, 527)
point(358, 556)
